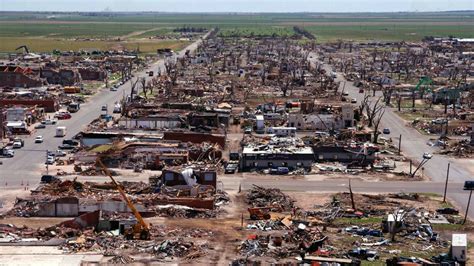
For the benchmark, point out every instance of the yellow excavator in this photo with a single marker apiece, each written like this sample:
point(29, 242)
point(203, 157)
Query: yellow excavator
point(140, 230)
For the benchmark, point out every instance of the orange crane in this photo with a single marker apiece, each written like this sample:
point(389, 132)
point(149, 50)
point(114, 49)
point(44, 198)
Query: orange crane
point(141, 230)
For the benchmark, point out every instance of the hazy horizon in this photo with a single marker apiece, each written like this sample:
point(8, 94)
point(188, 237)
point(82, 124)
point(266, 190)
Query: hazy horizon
point(238, 6)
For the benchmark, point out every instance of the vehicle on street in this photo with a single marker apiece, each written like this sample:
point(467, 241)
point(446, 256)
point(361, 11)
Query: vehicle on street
point(361, 90)
point(117, 108)
point(386, 131)
point(104, 107)
point(354, 100)
point(345, 93)
point(20, 140)
point(280, 171)
point(62, 115)
point(248, 130)
point(16, 144)
point(427, 155)
point(66, 147)
point(38, 126)
point(7, 152)
point(49, 122)
point(113, 89)
point(50, 160)
point(39, 139)
point(60, 132)
point(150, 73)
point(73, 107)
point(57, 153)
point(71, 142)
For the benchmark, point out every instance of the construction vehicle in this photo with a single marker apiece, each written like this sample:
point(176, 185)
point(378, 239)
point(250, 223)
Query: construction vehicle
point(23, 47)
point(140, 230)
point(260, 213)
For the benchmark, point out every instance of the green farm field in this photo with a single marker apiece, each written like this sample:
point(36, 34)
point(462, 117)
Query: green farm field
point(45, 31)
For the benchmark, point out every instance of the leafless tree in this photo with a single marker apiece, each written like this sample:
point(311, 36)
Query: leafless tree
point(372, 109)
point(377, 119)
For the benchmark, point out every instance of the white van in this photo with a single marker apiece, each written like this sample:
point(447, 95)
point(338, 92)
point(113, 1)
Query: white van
point(60, 131)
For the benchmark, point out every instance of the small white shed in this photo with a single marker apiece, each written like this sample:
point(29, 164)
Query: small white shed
point(459, 247)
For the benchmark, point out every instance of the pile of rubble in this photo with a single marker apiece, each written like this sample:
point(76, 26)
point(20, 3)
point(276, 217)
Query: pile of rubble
point(462, 148)
point(269, 197)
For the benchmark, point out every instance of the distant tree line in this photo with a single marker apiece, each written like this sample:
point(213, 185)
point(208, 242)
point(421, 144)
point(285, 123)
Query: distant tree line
point(188, 29)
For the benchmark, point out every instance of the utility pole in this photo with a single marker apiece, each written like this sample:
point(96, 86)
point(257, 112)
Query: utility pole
point(47, 168)
point(400, 145)
point(467, 209)
point(446, 185)
point(410, 166)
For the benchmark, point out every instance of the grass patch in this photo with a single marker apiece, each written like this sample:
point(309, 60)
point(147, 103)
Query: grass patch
point(430, 194)
point(357, 221)
point(448, 227)
point(102, 148)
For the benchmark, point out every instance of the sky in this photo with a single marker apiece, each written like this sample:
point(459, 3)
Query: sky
point(238, 5)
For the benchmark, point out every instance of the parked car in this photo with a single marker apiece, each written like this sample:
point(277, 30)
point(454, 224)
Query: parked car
point(386, 131)
point(104, 107)
point(345, 93)
point(427, 155)
point(39, 139)
point(113, 88)
point(71, 142)
point(20, 140)
point(49, 122)
point(57, 153)
point(6, 152)
point(353, 100)
point(248, 130)
point(38, 126)
point(16, 144)
point(66, 147)
point(49, 160)
point(63, 115)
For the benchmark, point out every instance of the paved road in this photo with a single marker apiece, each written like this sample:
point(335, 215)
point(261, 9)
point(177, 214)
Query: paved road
point(414, 145)
point(29, 160)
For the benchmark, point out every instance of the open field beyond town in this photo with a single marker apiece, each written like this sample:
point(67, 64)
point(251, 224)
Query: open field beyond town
point(47, 31)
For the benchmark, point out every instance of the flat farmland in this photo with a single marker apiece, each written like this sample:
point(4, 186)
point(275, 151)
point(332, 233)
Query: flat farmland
point(45, 31)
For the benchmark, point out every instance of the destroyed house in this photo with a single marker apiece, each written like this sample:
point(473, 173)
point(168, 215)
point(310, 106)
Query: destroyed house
point(352, 155)
point(153, 121)
point(189, 177)
point(208, 119)
point(266, 156)
point(92, 73)
point(15, 76)
point(63, 76)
